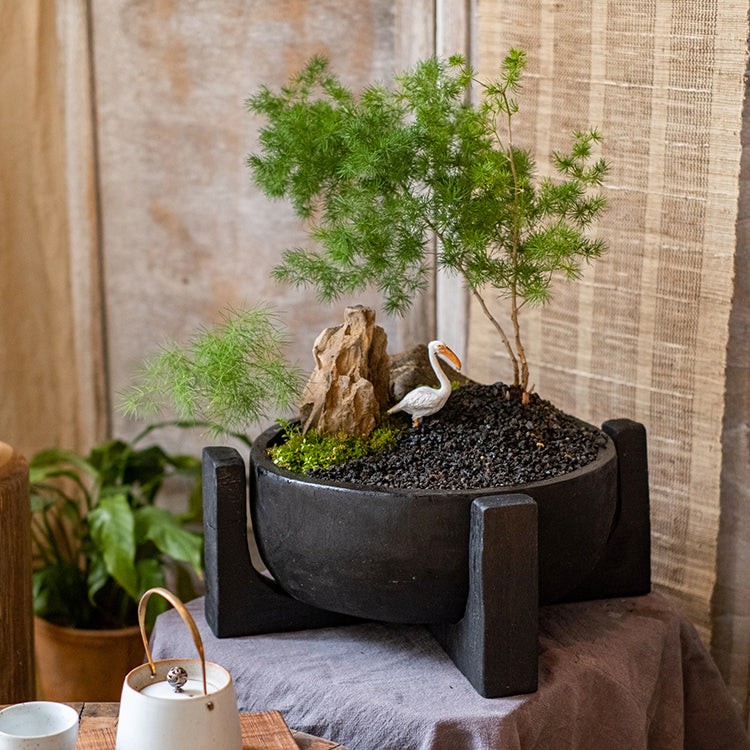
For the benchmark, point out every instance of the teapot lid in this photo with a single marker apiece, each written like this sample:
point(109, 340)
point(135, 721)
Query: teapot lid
point(163, 689)
point(176, 686)
point(161, 685)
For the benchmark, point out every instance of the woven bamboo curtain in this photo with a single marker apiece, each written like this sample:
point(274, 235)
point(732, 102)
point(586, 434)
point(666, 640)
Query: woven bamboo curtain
point(644, 334)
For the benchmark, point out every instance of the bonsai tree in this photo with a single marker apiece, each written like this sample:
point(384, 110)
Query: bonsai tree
point(377, 176)
point(99, 540)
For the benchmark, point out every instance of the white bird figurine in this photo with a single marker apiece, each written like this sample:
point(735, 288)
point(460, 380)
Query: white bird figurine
point(425, 400)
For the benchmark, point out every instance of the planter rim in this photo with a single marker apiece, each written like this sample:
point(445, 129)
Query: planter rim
point(260, 457)
point(74, 633)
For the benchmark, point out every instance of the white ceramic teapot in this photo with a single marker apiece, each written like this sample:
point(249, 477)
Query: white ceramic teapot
point(177, 704)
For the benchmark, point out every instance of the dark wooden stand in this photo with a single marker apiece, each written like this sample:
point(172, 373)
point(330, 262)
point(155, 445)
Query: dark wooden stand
point(495, 643)
point(239, 599)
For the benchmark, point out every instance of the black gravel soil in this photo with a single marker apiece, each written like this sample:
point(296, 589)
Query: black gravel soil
point(483, 437)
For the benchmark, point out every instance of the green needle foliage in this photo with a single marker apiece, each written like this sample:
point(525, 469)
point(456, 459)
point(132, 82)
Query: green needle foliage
point(229, 376)
point(377, 176)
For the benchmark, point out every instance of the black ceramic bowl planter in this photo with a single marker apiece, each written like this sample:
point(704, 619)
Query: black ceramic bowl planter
point(402, 556)
point(472, 564)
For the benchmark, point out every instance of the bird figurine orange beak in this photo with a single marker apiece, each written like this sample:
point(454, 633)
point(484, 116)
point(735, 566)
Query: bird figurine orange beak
point(450, 355)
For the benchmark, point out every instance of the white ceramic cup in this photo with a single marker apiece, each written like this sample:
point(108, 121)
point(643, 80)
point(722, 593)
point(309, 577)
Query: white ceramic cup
point(38, 725)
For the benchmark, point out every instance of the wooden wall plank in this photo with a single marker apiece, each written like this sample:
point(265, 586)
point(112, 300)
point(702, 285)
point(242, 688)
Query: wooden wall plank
point(453, 35)
point(184, 231)
point(730, 642)
point(83, 219)
point(414, 41)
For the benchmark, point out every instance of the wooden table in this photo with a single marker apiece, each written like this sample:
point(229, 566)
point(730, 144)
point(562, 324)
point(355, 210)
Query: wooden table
point(108, 711)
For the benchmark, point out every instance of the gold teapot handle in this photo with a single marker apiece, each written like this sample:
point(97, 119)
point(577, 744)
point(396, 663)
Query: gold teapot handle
point(187, 619)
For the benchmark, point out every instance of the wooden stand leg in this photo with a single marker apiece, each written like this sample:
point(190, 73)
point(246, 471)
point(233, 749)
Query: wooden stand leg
point(624, 568)
point(495, 643)
point(239, 600)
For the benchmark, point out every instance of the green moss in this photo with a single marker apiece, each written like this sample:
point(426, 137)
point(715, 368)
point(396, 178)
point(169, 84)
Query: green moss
point(303, 454)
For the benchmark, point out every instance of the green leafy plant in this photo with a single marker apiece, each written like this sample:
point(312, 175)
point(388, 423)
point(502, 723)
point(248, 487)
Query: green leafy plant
point(228, 376)
point(304, 452)
point(99, 540)
point(377, 176)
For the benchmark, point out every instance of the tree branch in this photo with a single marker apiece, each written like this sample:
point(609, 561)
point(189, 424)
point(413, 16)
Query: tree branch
point(501, 332)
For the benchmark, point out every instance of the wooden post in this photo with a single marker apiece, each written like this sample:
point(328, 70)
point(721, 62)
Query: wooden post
point(496, 642)
point(239, 600)
point(624, 568)
point(16, 608)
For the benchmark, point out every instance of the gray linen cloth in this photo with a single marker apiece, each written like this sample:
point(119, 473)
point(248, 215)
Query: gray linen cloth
point(615, 674)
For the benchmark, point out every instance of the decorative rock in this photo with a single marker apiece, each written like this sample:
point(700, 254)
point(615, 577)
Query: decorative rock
point(349, 386)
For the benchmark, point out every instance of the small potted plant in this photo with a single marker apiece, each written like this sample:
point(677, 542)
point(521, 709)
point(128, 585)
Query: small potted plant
point(376, 177)
point(99, 541)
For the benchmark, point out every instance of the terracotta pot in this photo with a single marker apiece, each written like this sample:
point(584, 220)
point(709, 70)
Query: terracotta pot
point(84, 665)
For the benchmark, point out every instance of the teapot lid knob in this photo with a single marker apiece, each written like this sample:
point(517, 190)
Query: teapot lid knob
point(177, 677)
